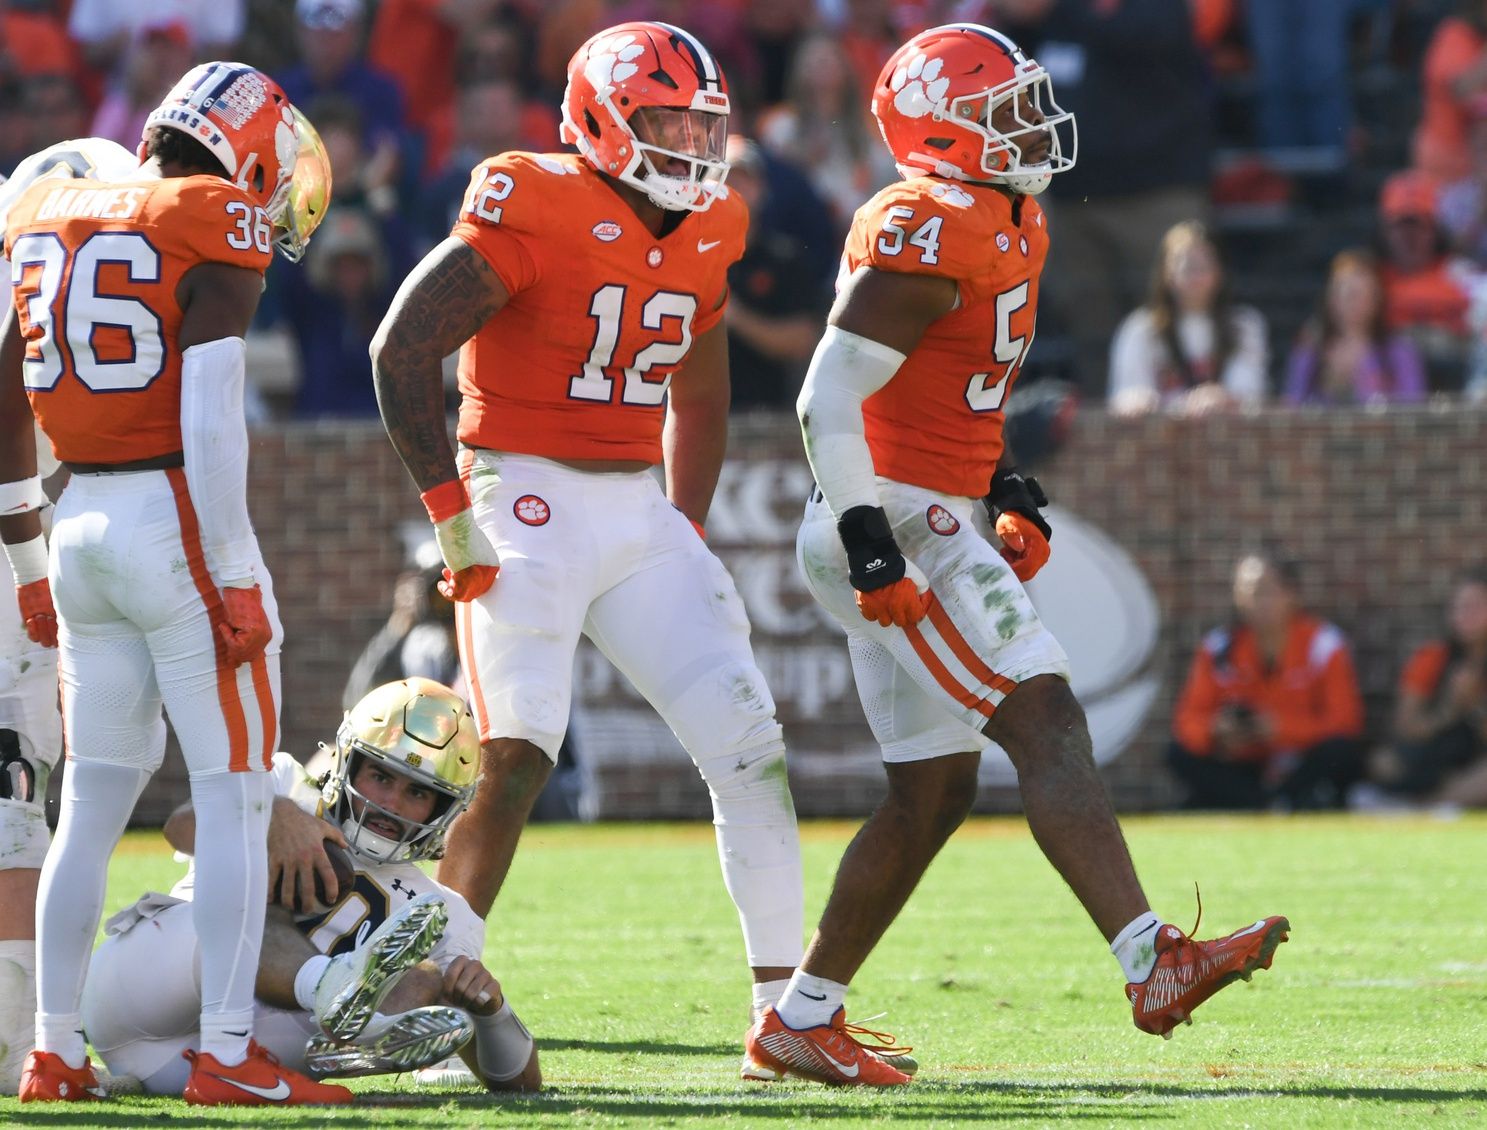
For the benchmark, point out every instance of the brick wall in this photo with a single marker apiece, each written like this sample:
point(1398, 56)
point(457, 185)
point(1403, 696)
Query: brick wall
point(1379, 508)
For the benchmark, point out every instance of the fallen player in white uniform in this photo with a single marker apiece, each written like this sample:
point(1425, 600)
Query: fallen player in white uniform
point(343, 985)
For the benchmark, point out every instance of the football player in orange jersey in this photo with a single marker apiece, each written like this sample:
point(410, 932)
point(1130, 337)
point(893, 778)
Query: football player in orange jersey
point(902, 417)
point(30, 722)
point(587, 294)
point(131, 298)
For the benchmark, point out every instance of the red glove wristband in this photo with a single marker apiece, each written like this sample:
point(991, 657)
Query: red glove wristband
point(445, 500)
point(696, 525)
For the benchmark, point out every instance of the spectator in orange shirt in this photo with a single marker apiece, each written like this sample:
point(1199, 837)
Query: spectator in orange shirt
point(1440, 721)
point(1455, 91)
point(1271, 715)
point(1427, 292)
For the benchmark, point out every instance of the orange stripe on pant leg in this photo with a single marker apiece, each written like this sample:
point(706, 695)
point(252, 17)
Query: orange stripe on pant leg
point(947, 681)
point(228, 697)
point(962, 649)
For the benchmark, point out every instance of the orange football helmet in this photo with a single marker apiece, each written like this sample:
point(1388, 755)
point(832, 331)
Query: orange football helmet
point(247, 122)
point(648, 105)
point(940, 95)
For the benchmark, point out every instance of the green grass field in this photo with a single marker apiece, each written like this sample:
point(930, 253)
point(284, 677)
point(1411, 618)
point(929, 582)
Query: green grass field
point(619, 948)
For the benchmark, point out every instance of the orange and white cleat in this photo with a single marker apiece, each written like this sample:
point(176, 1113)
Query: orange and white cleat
point(1188, 972)
point(260, 1080)
point(887, 1050)
point(827, 1053)
point(46, 1078)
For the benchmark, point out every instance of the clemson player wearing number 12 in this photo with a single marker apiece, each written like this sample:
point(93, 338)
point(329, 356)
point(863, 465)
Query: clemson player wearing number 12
point(588, 292)
point(131, 298)
point(902, 417)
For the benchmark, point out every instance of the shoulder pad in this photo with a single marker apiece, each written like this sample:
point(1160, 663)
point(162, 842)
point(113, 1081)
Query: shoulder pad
point(930, 226)
point(91, 158)
point(517, 190)
point(213, 220)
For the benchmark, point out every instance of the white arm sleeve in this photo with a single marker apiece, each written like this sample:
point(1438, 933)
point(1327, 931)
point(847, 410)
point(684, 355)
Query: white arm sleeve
point(845, 370)
point(214, 439)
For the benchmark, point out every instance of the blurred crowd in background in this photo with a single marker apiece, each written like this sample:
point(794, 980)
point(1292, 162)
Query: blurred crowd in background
point(1277, 203)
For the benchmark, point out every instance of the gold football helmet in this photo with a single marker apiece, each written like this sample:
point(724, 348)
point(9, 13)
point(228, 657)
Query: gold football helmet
point(309, 192)
point(418, 729)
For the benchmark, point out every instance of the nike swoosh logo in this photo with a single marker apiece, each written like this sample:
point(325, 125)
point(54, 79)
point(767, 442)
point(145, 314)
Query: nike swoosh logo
point(849, 1070)
point(1258, 926)
point(812, 996)
point(277, 1093)
point(702, 246)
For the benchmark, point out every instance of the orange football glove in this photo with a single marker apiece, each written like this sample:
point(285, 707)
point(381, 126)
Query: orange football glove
point(1023, 545)
point(900, 604)
point(470, 562)
point(890, 588)
point(245, 629)
point(37, 610)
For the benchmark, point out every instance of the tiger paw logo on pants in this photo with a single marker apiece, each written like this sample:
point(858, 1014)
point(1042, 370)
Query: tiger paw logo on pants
point(531, 510)
point(941, 521)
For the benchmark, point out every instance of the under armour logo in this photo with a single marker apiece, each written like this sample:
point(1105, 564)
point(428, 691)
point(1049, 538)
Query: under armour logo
point(397, 885)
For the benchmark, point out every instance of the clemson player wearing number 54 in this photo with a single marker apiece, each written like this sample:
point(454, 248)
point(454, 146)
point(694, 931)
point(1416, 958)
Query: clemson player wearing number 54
point(902, 416)
point(131, 298)
point(587, 292)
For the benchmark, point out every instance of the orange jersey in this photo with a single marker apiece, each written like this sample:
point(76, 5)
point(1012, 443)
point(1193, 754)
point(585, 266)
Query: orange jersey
point(1426, 668)
point(602, 313)
point(938, 423)
point(1310, 695)
point(96, 266)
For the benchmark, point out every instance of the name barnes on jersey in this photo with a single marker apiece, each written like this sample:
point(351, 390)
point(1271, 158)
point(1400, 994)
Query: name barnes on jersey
point(66, 202)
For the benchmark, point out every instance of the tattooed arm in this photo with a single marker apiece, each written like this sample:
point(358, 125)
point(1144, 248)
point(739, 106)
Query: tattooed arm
point(440, 305)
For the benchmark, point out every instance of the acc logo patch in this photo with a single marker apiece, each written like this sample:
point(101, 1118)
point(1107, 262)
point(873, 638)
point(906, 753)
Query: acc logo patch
point(1002, 242)
point(531, 510)
point(607, 230)
point(941, 521)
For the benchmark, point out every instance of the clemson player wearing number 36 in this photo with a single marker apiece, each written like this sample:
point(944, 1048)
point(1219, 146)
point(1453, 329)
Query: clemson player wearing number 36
point(131, 298)
point(902, 417)
point(587, 292)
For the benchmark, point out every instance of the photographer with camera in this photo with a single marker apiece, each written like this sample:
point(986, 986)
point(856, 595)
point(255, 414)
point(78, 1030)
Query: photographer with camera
point(1270, 716)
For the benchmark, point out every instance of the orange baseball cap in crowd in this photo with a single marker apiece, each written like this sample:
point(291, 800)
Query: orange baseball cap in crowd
point(1408, 194)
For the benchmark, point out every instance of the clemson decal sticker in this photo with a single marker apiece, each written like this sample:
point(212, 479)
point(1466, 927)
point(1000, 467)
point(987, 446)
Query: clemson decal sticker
point(533, 510)
point(941, 521)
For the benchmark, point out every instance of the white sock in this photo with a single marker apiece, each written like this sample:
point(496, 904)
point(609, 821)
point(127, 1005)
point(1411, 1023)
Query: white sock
point(97, 799)
point(17, 1010)
point(767, 993)
point(307, 978)
point(232, 815)
point(225, 1035)
point(810, 1001)
point(1135, 947)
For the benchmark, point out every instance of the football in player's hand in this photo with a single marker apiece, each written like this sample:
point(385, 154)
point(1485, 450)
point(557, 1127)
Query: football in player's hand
point(345, 869)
